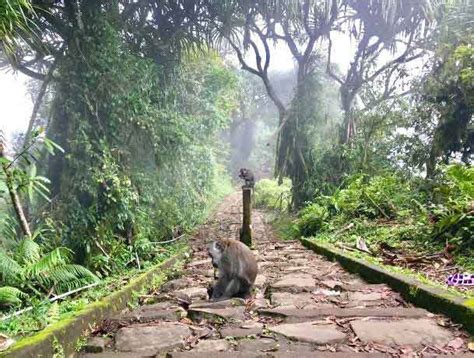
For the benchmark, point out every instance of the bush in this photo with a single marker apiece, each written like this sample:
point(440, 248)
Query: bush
point(382, 196)
point(312, 219)
point(269, 194)
point(453, 210)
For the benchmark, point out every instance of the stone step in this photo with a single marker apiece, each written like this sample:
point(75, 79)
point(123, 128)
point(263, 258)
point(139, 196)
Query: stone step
point(315, 354)
point(217, 315)
point(412, 332)
point(151, 339)
point(295, 315)
point(310, 332)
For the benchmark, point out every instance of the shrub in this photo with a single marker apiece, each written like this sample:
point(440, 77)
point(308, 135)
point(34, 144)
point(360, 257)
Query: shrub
point(269, 194)
point(453, 210)
point(312, 219)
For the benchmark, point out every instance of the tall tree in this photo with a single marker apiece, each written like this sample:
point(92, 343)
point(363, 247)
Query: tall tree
point(388, 35)
point(250, 28)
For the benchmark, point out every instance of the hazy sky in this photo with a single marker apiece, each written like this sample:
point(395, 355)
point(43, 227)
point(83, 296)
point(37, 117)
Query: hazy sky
point(16, 105)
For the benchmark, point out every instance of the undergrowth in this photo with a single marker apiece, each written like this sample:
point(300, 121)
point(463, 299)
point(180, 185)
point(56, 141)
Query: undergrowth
point(414, 216)
point(45, 313)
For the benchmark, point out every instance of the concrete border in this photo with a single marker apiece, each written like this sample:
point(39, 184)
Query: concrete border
point(437, 300)
point(68, 331)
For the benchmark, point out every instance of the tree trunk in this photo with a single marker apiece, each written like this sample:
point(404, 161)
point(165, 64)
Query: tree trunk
point(14, 196)
point(348, 129)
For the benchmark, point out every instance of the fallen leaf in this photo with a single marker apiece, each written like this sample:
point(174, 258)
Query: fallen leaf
point(470, 346)
point(5, 342)
point(456, 343)
point(441, 322)
point(361, 245)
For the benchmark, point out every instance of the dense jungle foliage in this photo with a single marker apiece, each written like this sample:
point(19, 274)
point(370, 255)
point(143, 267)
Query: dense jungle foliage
point(144, 112)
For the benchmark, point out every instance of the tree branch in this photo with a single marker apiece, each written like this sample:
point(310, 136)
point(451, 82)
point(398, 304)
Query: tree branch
point(328, 65)
point(38, 102)
point(25, 70)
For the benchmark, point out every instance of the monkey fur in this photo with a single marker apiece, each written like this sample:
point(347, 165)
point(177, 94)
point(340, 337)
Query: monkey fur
point(237, 269)
point(247, 176)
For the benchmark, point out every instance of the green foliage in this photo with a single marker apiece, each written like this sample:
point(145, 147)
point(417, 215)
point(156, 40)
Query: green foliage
point(401, 212)
point(453, 210)
point(141, 146)
point(10, 296)
point(271, 195)
point(35, 272)
point(13, 22)
point(312, 219)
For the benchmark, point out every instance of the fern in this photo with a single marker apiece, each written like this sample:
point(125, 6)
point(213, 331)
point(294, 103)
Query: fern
point(10, 270)
point(28, 252)
point(463, 177)
point(59, 256)
point(11, 296)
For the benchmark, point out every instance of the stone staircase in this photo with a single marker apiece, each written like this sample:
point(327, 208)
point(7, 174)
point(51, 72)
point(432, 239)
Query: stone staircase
point(303, 306)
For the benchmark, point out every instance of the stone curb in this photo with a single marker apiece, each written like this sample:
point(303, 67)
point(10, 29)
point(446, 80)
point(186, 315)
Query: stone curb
point(437, 300)
point(67, 332)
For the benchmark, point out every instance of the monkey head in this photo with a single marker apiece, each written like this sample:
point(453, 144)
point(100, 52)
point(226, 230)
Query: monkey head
point(215, 251)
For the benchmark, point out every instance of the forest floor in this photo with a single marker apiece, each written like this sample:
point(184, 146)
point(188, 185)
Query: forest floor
point(302, 304)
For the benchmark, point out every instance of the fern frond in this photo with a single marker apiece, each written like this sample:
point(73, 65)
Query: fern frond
point(71, 285)
point(10, 270)
point(28, 252)
point(59, 256)
point(11, 296)
point(67, 276)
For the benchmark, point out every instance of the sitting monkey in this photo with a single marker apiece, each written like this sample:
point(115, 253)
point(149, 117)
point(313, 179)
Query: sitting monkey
point(247, 175)
point(237, 269)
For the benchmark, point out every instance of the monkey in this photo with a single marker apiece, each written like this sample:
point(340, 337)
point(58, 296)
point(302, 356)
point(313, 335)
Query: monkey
point(247, 175)
point(237, 269)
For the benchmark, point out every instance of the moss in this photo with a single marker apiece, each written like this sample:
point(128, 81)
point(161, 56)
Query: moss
point(469, 303)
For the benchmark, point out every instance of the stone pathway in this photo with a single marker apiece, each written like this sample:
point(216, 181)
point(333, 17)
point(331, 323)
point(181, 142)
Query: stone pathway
point(303, 306)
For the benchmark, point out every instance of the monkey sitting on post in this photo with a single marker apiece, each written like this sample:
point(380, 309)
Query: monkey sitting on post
point(247, 175)
point(237, 269)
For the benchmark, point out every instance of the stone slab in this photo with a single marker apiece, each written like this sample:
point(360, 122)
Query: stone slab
point(326, 355)
point(244, 330)
point(310, 332)
point(311, 313)
point(362, 296)
point(157, 338)
point(212, 345)
point(217, 314)
point(164, 311)
point(291, 299)
point(414, 332)
point(192, 354)
point(295, 282)
point(192, 293)
point(257, 345)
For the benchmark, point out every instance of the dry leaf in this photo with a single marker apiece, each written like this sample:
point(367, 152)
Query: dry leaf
point(456, 343)
point(470, 345)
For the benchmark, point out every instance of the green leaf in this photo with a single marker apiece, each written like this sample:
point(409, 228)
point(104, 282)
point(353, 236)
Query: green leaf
point(11, 296)
point(28, 252)
point(10, 270)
